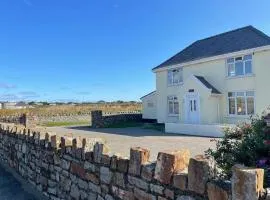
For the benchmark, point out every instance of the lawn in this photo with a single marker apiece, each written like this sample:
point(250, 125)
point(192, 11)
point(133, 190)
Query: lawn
point(51, 124)
point(154, 126)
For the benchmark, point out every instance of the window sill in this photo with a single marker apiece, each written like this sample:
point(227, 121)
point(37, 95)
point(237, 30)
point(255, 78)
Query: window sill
point(242, 76)
point(173, 115)
point(238, 116)
point(175, 84)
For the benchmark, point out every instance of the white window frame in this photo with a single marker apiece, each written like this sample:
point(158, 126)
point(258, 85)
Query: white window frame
point(173, 76)
point(235, 102)
point(173, 99)
point(244, 65)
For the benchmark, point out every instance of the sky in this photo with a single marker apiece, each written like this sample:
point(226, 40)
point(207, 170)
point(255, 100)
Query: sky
point(90, 50)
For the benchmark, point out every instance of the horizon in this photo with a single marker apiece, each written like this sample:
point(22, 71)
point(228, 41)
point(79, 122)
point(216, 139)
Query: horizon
point(104, 50)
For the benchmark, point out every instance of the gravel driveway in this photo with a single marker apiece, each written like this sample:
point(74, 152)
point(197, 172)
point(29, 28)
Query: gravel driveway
point(121, 139)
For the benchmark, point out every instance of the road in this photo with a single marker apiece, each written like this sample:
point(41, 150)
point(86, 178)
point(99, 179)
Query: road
point(121, 139)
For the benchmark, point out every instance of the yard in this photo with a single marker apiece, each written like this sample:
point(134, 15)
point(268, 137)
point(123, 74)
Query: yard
point(121, 139)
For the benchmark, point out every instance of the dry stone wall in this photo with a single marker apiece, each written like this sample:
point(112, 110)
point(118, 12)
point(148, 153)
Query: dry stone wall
point(82, 168)
point(101, 120)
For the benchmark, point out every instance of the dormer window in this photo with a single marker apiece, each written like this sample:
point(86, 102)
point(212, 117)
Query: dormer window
point(239, 66)
point(175, 76)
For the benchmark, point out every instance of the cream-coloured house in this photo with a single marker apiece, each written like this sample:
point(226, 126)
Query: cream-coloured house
point(215, 81)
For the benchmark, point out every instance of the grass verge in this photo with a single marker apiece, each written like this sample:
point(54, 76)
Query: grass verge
point(51, 124)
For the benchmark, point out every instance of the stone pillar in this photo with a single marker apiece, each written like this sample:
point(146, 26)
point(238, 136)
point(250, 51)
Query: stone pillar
point(199, 173)
point(169, 163)
point(247, 183)
point(96, 118)
point(138, 157)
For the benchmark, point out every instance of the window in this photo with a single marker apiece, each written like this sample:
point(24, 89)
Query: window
point(175, 76)
point(239, 66)
point(241, 103)
point(173, 105)
point(150, 104)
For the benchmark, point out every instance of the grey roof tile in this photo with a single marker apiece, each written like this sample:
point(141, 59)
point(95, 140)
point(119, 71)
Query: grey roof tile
point(208, 85)
point(236, 40)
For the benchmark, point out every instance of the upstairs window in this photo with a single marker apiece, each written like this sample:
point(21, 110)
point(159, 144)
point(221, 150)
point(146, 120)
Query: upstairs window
point(173, 105)
point(175, 76)
point(239, 66)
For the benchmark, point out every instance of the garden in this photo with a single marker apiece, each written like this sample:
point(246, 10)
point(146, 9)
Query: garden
point(247, 144)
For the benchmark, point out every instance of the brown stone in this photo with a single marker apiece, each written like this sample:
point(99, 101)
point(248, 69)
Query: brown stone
point(89, 156)
point(170, 162)
point(148, 171)
point(216, 192)
point(180, 181)
point(138, 157)
point(92, 177)
point(77, 170)
point(106, 159)
point(99, 149)
point(122, 165)
point(55, 141)
point(247, 183)
point(142, 195)
point(199, 172)
point(114, 160)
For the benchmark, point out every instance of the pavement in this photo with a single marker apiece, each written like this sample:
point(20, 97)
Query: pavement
point(120, 140)
point(12, 189)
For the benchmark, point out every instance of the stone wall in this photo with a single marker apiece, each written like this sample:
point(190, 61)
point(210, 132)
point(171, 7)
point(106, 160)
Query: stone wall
point(101, 120)
point(107, 118)
point(82, 168)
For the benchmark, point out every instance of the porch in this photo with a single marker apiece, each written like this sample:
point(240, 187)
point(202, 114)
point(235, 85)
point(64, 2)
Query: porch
point(209, 130)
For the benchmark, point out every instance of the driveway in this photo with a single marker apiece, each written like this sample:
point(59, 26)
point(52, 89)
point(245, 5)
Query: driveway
point(120, 140)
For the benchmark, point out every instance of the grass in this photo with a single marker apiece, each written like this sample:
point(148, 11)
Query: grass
point(51, 124)
point(125, 125)
point(153, 126)
point(66, 110)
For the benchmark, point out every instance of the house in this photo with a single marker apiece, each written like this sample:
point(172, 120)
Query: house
point(219, 80)
point(14, 105)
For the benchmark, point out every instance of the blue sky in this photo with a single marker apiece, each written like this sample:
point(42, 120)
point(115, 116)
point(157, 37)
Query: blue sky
point(105, 49)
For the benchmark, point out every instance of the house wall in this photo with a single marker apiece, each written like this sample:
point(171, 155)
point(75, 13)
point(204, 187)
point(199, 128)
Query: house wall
point(148, 111)
point(215, 109)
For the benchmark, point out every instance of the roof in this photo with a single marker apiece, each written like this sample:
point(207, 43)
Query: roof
point(208, 85)
point(148, 94)
point(236, 40)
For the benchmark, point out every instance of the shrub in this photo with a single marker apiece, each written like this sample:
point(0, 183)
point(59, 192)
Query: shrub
point(245, 144)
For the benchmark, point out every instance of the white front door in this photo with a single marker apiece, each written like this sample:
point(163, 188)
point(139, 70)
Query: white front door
point(192, 106)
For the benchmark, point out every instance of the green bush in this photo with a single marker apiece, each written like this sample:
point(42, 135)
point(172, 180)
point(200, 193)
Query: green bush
point(245, 144)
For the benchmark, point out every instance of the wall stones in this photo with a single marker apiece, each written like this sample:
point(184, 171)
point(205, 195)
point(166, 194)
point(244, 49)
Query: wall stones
point(100, 121)
point(247, 183)
point(138, 157)
point(199, 173)
point(170, 162)
point(64, 173)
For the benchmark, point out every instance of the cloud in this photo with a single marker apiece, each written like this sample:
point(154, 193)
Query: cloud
point(28, 95)
point(27, 2)
point(9, 97)
point(7, 86)
point(20, 96)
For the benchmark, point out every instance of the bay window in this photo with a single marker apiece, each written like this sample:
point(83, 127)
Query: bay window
point(241, 103)
point(173, 105)
point(175, 76)
point(239, 66)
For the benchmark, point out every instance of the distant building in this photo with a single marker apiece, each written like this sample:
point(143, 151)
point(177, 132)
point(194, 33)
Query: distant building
point(13, 105)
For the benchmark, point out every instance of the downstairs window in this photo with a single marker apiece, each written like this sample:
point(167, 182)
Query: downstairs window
point(241, 103)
